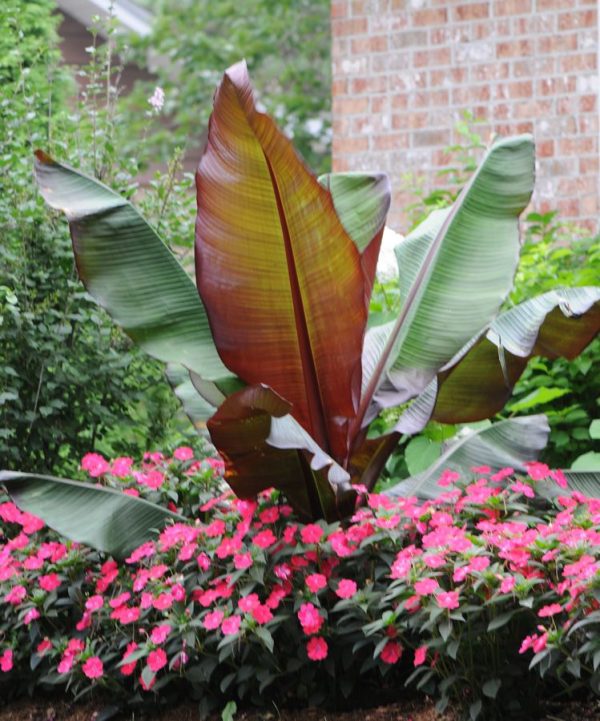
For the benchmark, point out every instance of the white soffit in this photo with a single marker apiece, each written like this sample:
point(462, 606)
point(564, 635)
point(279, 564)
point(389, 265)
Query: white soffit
point(130, 16)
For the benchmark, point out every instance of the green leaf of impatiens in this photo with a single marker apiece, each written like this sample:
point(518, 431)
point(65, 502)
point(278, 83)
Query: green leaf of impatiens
point(478, 381)
point(102, 518)
point(130, 272)
point(509, 443)
point(455, 269)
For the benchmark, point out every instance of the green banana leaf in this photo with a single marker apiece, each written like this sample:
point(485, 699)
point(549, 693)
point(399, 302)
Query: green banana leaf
point(509, 443)
point(102, 518)
point(130, 272)
point(197, 408)
point(455, 269)
point(478, 381)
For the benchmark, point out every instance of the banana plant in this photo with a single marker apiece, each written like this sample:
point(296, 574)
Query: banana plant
point(274, 334)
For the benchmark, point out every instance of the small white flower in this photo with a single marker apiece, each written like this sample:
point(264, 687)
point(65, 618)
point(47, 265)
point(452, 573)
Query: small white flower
point(157, 99)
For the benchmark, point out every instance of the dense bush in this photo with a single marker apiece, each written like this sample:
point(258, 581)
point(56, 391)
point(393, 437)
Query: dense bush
point(486, 597)
point(69, 380)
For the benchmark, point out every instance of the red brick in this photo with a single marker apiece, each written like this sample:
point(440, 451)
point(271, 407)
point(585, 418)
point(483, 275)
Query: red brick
point(559, 43)
point(489, 71)
point(410, 120)
point(544, 149)
point(390, 142)
point(523, 128)
point(577, 186)
point(512, 7)
point(589, 165)
point(379, 105)
point(588, 103)
point(339, 87)
point(440, 98)
point(522, 89)
point(453, 75)
point(575, 20)
point(350, 106)
point(532, 109)
point(465, 96)
point(355, 26)
point(471, 11)
point(573, 63)
point(577, 146)
point(359, 7)
point(352, 145)
point(367, 44)
point(400, 101)
point(555, 86)
point(569, 207)
point(430, 17)
point(339, 9)
point(432, 57)
point(370, 84)
point(515, 48)
point(567, 106)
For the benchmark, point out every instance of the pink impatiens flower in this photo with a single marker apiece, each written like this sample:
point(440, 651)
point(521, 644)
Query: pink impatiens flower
point(317, 648)
point(391, 653)
point(93, 667)
point(157, 659)
point(426, 586)
point(346, 588)
point(448, 478)
point(231, 625)
point(420, 656)
point(265, 538)
point(520, 487)
point(550, 610)
point(183, 453)
point(310, 619)
point(49, 581)
point(311, 533)
point(213, 620)
point(448, 599)
point(160, 633)
point(6, 660)
point(315, 582)
point(30, 616)
point(16, 595)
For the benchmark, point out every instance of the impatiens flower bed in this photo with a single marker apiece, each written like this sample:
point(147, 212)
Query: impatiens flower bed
point(487, 595)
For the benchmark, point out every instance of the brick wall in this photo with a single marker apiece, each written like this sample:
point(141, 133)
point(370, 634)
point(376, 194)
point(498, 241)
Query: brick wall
point(404, 70)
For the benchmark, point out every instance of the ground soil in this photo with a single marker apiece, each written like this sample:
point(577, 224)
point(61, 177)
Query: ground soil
point(57, 710)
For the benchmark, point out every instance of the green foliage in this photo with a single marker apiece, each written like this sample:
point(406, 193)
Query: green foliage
point(241, 602)
point(568, 392)
point(286, 44)
point(70, 381)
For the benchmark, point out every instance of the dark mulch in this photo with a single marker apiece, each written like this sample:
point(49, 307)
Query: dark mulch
point(423, 710)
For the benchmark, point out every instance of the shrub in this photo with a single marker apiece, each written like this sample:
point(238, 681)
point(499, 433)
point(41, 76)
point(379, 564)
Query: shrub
point(486, 596)
point(69, 379)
